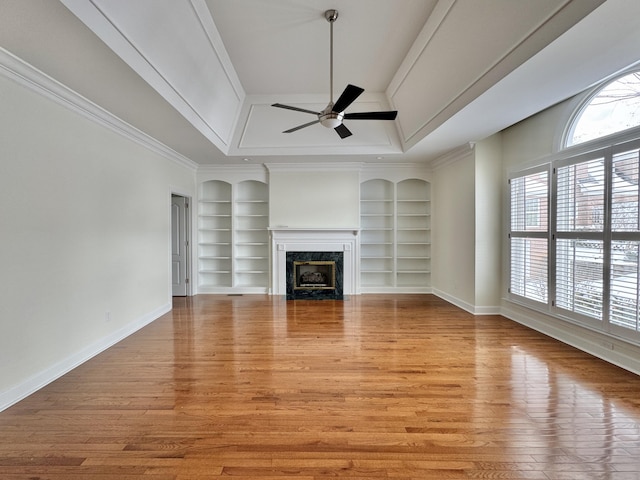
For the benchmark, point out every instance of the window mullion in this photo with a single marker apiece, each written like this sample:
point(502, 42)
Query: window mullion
point(553, 230)
point(608, 221)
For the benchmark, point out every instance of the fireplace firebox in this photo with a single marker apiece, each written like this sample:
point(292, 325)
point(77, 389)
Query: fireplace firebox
point(314, 275)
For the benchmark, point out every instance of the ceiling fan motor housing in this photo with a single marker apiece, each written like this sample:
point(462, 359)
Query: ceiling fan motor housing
point(329, 118)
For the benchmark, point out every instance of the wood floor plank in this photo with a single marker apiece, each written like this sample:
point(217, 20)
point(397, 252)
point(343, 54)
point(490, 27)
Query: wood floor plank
point(377, 386)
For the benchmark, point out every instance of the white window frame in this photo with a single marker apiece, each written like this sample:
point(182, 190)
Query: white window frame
point(594, 236)
point(606, 150)
point(530, 234)
point(608, 145)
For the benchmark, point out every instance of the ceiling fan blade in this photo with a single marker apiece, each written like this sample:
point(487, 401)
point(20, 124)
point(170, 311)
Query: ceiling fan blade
point(296, 109)
point(301, 126)
point(390, 115)
point(351, 92)
point(343, 131)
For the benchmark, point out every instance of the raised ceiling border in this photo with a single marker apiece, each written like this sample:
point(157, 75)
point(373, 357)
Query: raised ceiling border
point(17, 70)
point(95, 17)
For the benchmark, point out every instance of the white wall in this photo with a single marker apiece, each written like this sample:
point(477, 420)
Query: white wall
point(532, 139)
point(453, 248)
point(488, 225)
point(85, 238)
point(467, 217)
point(314, 196)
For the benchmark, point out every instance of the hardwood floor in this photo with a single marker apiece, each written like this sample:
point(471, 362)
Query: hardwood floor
point(378, 386)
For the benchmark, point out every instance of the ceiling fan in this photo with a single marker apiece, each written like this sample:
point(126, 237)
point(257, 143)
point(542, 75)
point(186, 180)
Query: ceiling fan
point(333, 115)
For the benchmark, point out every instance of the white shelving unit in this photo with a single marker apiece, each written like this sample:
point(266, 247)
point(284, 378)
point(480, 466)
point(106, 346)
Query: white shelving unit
point(413, 233)
point(395, 235)
point(251, 235)
point(233, 245)
point(377, 233)
point(214, 235)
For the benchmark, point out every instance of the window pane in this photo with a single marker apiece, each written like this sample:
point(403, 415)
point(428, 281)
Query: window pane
point(624, 284)
point(529, 204)
point(613, 109)
point(579, 276)
point(529, 268)
point(624, 205)
point(581, 197)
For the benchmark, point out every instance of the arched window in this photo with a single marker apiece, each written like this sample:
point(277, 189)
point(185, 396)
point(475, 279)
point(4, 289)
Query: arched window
point(613, 108)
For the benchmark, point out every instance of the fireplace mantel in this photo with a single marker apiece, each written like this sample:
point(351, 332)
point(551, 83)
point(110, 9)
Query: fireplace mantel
point(288, 239)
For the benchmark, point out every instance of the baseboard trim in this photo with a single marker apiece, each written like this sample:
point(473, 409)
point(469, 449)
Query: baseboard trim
point(397, 290)
point(36, 382)
point(600, 345)
point(467, 306)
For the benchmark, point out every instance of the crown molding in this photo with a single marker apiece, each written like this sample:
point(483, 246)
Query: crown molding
point(405, 166)
point(232, 169)
point(315, 167)
point(395, 172)
point(453, 156)
point(107, 20)
point(26, 75)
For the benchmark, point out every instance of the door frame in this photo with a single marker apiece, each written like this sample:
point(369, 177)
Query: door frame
point(187, 236)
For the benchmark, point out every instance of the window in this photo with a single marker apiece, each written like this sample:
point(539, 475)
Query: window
point(583, 263)
point(625, 238)
point(613, 108)
point(579, 240)
point(575, 223)
point(529, 235)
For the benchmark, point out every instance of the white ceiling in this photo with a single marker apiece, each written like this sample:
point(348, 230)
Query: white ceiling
point(200, 75)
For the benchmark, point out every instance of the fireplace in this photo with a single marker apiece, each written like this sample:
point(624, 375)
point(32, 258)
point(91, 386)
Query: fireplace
point(314, 275)
point(338, 244)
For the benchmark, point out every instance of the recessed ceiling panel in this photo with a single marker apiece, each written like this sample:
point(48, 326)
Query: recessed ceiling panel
point(264, 127)
point(282, 47)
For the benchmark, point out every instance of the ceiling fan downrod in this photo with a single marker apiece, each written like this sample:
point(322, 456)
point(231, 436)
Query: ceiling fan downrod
point(331, 16)
point(329, 118)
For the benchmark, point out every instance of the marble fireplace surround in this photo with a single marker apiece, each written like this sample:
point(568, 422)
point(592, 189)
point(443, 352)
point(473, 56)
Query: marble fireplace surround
point(344, 240)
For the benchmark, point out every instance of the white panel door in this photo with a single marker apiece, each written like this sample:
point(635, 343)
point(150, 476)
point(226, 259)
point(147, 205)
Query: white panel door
point(179, 246)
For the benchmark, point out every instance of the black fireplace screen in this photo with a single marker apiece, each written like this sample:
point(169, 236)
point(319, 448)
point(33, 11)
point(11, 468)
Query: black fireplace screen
point(314, 275)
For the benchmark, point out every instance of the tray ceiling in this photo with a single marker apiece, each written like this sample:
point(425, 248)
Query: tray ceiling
point(200, 75)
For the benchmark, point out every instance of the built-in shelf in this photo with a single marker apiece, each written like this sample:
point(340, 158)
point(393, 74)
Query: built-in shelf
point(234, 239)
point(395, 235)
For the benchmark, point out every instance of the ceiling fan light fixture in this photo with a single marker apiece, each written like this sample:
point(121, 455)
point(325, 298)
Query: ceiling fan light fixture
point(330, 121)
point(329, 118)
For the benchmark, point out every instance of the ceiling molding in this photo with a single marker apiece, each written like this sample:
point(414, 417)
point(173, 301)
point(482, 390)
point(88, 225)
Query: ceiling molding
point(315, 167)
point(260, 129)
point(33, 79)
point(461, 153)
point(430, 28)
point(237, 172)
point(395, 172)
point(217, 44)
point(532, 30)
point(147, 60)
